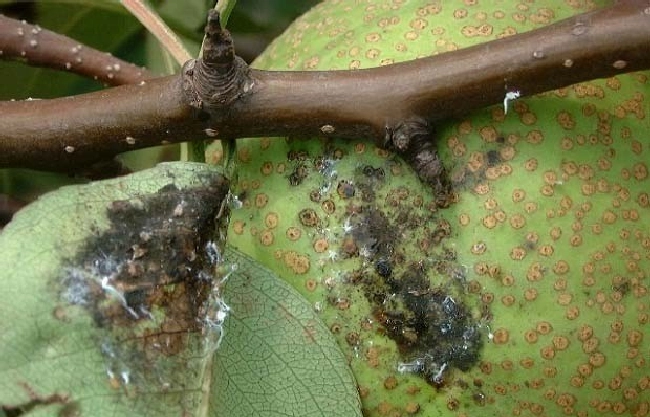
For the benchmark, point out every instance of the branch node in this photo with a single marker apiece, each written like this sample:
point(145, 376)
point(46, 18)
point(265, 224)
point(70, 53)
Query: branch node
point(413, 139)
point(219, 78)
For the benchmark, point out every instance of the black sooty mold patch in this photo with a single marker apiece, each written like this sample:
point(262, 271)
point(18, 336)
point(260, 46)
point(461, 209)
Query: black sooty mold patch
point(149, 283)
point(418, 294)
point(432, 326)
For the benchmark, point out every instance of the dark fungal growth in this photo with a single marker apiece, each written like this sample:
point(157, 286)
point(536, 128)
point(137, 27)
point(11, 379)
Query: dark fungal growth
point(421, 301)
point(157, 241)
point(373, 241)
point(434, 329)
point(148, 282)
point(432, 326)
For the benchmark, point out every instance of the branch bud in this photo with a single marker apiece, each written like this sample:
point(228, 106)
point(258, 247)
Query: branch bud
point(414, 141)
point(218, 78)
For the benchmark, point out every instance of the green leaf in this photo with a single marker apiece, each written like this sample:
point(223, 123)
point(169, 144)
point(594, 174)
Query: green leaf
point(113, 303)
point(225, 9)
point(277, 357)
point(77, 264)
point(186, 18)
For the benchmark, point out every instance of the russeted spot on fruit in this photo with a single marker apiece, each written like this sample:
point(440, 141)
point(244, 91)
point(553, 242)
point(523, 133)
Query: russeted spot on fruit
point(308, 217)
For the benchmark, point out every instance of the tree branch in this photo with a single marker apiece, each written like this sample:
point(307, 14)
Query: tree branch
point(65, 134)
point(21, 41)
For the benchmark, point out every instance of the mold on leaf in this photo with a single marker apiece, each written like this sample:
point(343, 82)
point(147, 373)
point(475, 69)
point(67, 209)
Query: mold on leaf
point(115, 294)
point(151, 283)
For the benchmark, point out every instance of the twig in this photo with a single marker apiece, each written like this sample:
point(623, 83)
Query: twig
point(65, 134)
point(159, 29)
point(172, 47)
point(40, 47)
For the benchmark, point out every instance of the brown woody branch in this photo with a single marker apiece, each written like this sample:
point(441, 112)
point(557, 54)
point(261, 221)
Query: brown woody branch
point(65, 134)
point(21, 41)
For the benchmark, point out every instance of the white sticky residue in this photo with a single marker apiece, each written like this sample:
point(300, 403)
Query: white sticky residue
point(75, 287)
point(233, 202)
point(438, 377)
point(415, 366)
point(213, 252)
point(366, 252)
point(216, 312)
point(107, 286)
point(116, 370)
point(490, 335)
point(348, 227)
point(329, 174)
point(145, 313)
point(510, 95)
point(424, 364)
point(126, 376)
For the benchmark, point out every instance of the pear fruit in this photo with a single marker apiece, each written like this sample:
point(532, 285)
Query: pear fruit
point(527, 295)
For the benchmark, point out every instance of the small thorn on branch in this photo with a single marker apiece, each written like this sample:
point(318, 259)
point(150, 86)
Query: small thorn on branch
point(414, 141)
point(219, 78)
